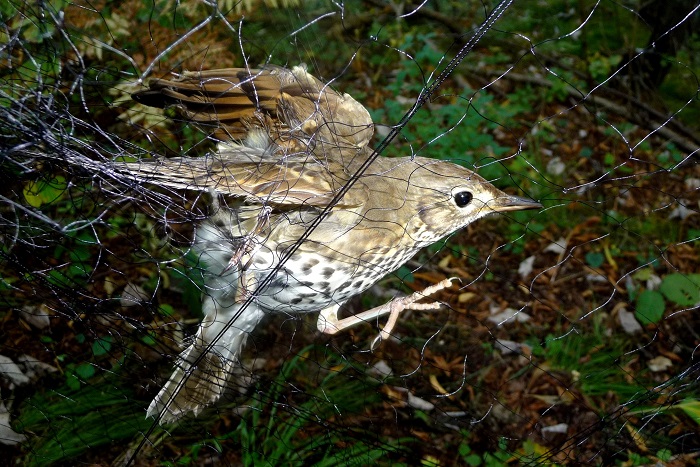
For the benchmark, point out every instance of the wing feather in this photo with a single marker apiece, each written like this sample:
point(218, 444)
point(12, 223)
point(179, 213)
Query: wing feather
point(289, 104)
point(289, 183)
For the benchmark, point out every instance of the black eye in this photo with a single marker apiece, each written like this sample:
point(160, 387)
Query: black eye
point(463, 198)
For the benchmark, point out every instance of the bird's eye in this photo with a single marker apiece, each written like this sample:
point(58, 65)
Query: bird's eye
point(463, 198)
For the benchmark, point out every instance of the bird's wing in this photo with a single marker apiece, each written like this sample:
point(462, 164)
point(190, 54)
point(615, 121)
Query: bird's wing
point(291, 182)
point(292, 106)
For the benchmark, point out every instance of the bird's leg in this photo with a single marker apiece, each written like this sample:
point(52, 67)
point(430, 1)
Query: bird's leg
point(329, 323)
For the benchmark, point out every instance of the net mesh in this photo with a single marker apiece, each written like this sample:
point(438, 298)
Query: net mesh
point(571, 337)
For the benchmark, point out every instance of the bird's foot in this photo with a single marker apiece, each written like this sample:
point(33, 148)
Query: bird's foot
point(397, 305)
point(329, 323)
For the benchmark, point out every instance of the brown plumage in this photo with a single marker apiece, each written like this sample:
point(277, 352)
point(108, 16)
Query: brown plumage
point(289, 143)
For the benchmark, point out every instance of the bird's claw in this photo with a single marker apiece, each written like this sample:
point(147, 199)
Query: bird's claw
point(397, 305)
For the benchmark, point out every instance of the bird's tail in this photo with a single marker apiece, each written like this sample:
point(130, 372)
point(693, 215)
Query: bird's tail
point(192, 385)
point(203, 369)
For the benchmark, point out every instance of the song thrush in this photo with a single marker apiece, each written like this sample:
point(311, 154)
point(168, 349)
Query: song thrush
point(288, 145)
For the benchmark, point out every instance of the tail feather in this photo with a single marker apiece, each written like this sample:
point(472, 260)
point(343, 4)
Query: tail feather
point(191, 387)
point(202, 371)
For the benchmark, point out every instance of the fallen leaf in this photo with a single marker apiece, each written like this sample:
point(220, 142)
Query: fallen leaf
point(525, 267)
point(509, 314)
point(628, 322)
point(11, 372)
point(465, 297)
point(8, 436)
point(37, 316)
point(420, 404)
point(558, 247)
point(436, 384)
point(659, 364)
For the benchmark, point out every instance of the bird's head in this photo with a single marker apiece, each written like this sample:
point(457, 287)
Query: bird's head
point(449, 197)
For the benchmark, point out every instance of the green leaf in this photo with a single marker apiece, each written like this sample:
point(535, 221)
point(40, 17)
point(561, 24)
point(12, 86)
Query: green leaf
point(72, 381)
point(85, 371)
point(148, 339)
point(682, 289)
point(586, 152)
point(650, 307)
point(405, 274)
point(42, 191)
point(691, 407)
point(664, 455)
point(472, 459)
point(46, 339)
point(56, 277)
point(595, 259)
point(78, 270)
point(101, 346)
point(643, 274)
point(166, 310)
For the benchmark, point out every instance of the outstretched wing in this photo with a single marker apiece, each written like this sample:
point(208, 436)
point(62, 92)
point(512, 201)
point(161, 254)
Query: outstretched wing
point(294, 108)
point(291, 182)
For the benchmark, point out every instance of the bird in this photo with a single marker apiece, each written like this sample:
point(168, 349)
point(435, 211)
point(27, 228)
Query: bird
point(288, 145)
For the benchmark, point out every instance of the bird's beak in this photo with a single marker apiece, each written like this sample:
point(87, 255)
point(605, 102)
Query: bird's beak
point(513, 203)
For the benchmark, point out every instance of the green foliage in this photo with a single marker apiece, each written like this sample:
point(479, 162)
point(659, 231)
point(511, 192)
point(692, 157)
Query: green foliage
point(64, 423)
point(638, 459)
point(598, 359)
point(78, 248)
point(650, 307)
point(102, 346)
point(468, 457)
point(166, 310)
point(680, 289)
point(42, 191)
point(405, 274)
point(149, 339)
point(454, 126)
point(270, 435)
point(35, 25)
point(188, 279)
point(691, 407)
point(664, 455)
point(600, 368)
point(530, 453)
point(77, 373)
point(595, 259)
point(601, 66)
